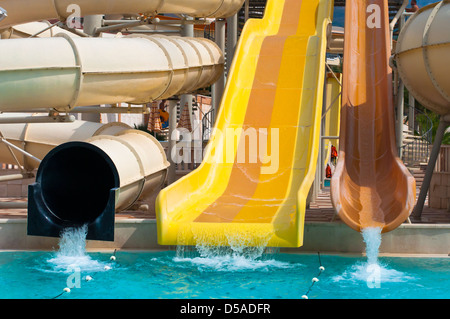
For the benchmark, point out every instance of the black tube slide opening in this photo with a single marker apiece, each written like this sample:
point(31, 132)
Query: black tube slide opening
point(76, 184)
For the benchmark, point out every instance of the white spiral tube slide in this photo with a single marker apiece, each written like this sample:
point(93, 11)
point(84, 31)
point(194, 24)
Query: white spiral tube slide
point(63, 72)
point(22, 11)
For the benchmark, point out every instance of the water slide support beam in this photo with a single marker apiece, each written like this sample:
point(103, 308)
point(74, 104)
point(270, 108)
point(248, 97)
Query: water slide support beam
point(38, 119)
point(187, 30)
point(3, 140)
point(232, 24)
point(172, 139)
point(395, 19)
point(219, 86)
point(400, 112)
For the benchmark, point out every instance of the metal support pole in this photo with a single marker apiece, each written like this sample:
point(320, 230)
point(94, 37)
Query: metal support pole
point(411, 109)
point(417, 212)
point(400, 111)
point(117, 27)
point(110, 110)
point(247, 10)
point(90, 24)
point(172, 139)
point(187, 30)
point(45, 29)
point(395, 19)
point(219, 86)
point(317, 185)
point(232, 25)
point(38, 119)
point(20, 150)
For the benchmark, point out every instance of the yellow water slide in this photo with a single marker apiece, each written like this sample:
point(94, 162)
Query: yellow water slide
point(252, 186)
point(370, 187)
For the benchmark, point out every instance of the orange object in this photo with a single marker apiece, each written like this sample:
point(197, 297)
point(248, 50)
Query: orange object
point(334, 153)
point(370, 187)
point(328, 171)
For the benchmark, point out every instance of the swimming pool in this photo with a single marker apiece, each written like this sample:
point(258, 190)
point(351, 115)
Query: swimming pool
point(170, 274)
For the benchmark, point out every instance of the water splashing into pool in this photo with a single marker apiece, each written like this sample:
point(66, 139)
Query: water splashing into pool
point(73, 242)
point(372, 238)
point(72, 252)
point(234, 255)
point(373, 272)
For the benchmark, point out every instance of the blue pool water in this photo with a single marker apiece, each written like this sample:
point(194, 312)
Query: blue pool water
point(170, 274)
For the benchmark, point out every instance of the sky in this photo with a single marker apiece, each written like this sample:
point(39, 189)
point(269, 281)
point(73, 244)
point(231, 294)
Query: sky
point(338, 19)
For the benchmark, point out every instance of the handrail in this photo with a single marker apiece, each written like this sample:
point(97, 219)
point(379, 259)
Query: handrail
point(425, 137)
point(395, 19)
point(207, 118)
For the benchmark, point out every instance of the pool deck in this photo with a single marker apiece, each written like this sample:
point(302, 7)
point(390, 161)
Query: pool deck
point(324, 232)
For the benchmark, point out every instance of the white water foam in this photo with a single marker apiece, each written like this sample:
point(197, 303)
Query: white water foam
point(235, 257)
point(72, 252)
point(372, 271)
point(364, 272)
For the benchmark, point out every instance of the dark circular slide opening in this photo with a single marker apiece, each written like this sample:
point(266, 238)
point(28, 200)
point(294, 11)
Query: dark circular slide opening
point(76, 179)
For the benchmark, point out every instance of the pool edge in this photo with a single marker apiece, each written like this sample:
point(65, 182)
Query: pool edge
point(326, 237)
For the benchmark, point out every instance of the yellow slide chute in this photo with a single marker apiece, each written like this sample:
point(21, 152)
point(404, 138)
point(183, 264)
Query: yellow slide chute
point(274, 96)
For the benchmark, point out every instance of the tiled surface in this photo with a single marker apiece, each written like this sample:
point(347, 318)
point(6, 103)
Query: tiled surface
point(320, 210)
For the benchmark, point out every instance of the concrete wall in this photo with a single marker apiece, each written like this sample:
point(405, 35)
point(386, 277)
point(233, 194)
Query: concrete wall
point(15, 189)
point(140, 234)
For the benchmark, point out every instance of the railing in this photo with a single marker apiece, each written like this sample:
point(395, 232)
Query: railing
point(207, 124)
point(418, 150)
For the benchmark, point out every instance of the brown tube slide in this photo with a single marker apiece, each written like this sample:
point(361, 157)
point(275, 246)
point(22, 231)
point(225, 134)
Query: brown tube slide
point(370, 187)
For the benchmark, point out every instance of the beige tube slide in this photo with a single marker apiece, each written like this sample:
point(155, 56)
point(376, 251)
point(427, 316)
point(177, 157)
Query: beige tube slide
point(422, 54)
point(22, 11)
point(139, 159)
point(87, 182)
point(40, 138)
point(64, 72)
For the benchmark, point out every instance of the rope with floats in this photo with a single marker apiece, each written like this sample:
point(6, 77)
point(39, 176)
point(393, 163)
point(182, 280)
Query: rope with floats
point(87, 278)
point(315, 279)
